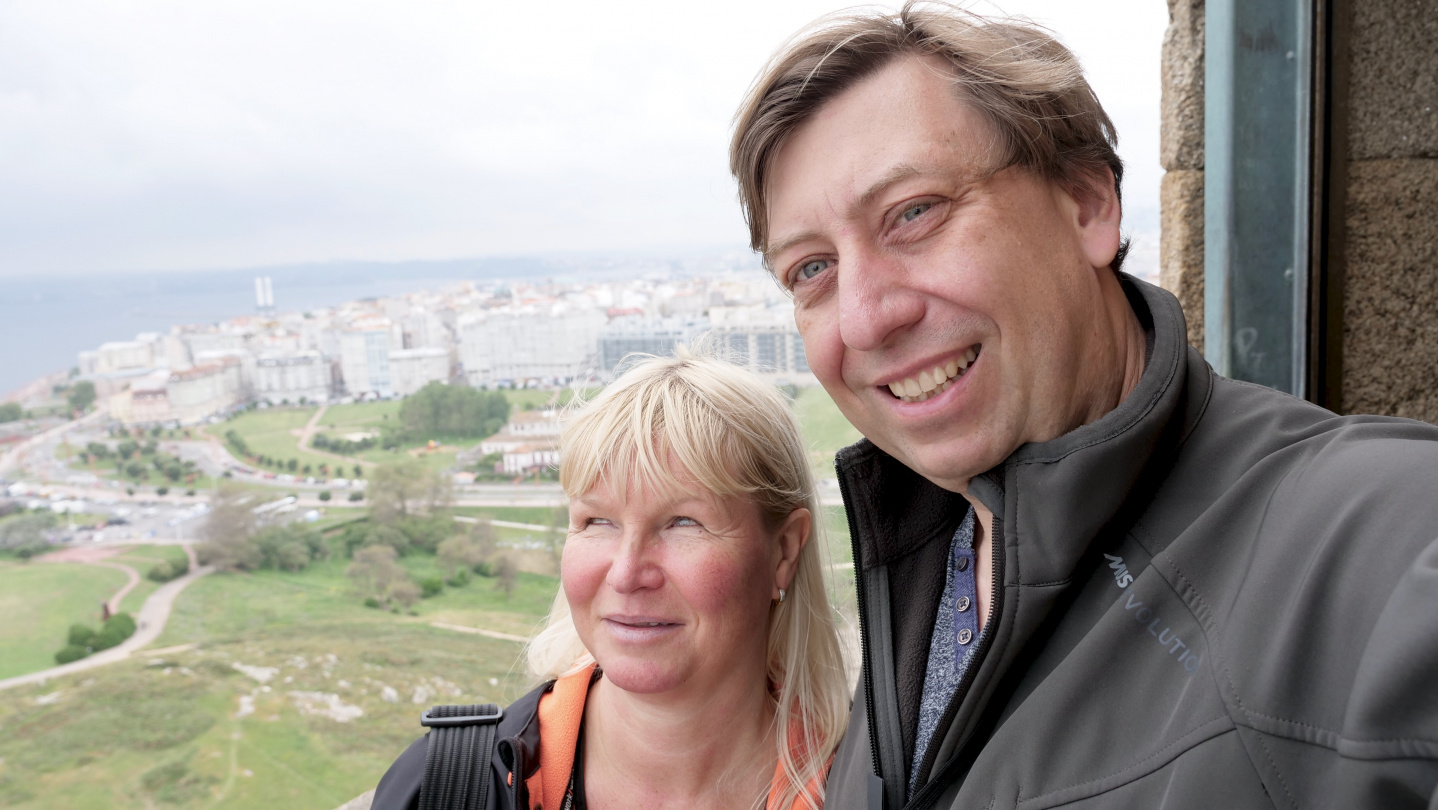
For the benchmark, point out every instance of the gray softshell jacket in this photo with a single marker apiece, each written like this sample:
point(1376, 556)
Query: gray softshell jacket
point(1216, 596)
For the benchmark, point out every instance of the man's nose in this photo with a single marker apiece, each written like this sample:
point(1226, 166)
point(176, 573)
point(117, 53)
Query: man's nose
point(634, 567)
point(875, 303)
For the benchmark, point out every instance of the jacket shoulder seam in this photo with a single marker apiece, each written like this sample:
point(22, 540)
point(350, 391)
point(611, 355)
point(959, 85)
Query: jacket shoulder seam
point(1336, 741)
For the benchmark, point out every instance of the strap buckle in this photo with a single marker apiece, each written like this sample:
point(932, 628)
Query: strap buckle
point(428, 719)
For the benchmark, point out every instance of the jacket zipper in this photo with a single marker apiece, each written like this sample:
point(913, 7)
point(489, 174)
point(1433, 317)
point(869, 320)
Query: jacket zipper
point(864, 651)
point(930, 791)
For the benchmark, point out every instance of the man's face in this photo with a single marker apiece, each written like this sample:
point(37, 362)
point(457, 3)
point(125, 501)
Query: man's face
point(952, 311)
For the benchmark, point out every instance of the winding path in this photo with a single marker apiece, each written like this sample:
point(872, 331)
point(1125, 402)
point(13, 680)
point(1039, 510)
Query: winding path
point(149, 625)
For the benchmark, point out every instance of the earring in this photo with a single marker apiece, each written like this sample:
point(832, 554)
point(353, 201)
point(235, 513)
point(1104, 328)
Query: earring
point(782, 594)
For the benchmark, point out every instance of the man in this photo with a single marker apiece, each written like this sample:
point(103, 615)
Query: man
point(1091, 572)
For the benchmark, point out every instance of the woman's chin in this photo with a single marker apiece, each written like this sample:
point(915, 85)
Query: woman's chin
point(642, 677)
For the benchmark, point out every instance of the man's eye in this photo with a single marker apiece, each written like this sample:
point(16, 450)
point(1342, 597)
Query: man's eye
point(915, 211)
point(814, 267)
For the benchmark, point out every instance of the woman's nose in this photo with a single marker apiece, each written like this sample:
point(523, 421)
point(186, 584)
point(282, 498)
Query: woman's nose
point(634, 567)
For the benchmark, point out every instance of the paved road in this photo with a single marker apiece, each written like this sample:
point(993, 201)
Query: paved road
point(151, 623)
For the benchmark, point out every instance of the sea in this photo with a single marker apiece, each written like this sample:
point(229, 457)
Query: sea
point(45, 322)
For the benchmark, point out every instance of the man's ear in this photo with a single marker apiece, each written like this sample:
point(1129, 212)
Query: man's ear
point(793, 535)
point(1096, 215)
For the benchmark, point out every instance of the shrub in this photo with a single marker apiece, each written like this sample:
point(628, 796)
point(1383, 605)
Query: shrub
point(162, 491)
point(459, 580)
point(70, 652)
point(166, 571)
point(80, 635)
point(356, 496)
point(117, 628)
point(325, 495)
point(371, 602)
point(483, 569)
point(431, 586)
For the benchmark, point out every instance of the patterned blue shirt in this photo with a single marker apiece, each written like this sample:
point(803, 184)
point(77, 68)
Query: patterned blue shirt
point(956, 636)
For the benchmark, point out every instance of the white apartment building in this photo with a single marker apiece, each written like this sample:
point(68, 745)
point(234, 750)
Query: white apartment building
point(364, 361)
point(121, 355)
point(413, 369)
point(525, 428)
point(549, 343)
point(623, 337)
point(198, 393)
point(299, 376)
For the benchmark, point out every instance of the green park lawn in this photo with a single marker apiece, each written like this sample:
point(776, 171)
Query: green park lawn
point(168, 731)
point(825, 428)
point(269, 433)
point(39, 602)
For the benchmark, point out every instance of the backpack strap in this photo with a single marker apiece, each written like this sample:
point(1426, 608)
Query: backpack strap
point(457, 756)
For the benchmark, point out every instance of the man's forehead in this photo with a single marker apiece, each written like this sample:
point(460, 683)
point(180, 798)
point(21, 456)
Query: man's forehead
point(908, 120)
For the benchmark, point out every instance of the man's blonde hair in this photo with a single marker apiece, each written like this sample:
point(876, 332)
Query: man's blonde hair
point(1026, 85)
point(734, 435)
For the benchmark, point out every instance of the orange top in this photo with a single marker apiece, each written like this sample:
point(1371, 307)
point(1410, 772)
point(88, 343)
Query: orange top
point(561, 712)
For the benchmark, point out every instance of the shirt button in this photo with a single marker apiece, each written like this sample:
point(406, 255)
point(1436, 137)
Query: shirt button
point(962, 604)
point(963, 564)
point(966, 635)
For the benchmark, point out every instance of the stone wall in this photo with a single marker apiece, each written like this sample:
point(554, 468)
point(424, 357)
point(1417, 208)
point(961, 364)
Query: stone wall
point(1390, 311)
point(1181, 153)
point(1390, 287)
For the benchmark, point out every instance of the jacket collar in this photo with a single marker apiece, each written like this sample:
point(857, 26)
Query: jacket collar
point(1056, 495)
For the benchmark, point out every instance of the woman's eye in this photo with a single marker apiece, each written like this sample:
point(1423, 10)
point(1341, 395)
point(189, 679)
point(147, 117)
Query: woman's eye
point(597, 521)
point(813, 268)
point(685, 521)
point(915, 211)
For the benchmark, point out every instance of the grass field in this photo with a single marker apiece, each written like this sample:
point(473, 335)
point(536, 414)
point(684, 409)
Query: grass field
point(270, 433)
point(825, 429)
point(172, 732)
point(39, 602)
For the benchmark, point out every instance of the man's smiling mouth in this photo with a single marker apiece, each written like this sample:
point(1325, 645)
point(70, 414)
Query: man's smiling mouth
point(934, 381)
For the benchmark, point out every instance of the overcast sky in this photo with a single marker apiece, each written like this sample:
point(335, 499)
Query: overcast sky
point(234, 133)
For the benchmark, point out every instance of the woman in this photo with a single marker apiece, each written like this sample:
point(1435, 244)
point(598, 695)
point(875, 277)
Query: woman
point(690, 658)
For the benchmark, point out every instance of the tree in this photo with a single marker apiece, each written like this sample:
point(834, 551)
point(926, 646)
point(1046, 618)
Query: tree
point(506, 573)
point(98, 450)
point(11, 412)
point(359, 471)
point(375, 571)
point(460, 553)
point(26, 531)
point(451, 410)
point(228, 529)
point(404, 489)
point(81, 395)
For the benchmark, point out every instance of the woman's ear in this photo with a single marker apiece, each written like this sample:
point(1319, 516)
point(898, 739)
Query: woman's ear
point(793, 535)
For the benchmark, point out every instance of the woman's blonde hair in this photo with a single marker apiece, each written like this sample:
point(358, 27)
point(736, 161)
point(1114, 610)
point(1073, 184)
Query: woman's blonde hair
point(736, 436)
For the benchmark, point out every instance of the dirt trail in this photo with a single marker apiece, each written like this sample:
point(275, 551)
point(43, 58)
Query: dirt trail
point(150, 623)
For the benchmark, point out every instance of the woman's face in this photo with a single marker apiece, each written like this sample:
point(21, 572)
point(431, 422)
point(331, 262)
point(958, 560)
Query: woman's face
point(673, 591)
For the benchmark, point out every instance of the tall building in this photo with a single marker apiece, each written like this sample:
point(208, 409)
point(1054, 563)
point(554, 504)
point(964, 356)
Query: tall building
point(545, 344)
point(413, 369)
point(202, 391)
point(641, 336)
point(300, 376)
point(364, 361)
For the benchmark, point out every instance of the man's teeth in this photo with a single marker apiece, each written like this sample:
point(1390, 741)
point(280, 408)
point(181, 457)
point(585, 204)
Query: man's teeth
point(932, 382)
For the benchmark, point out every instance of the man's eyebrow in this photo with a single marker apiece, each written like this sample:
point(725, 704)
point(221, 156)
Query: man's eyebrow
point(903, 171)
